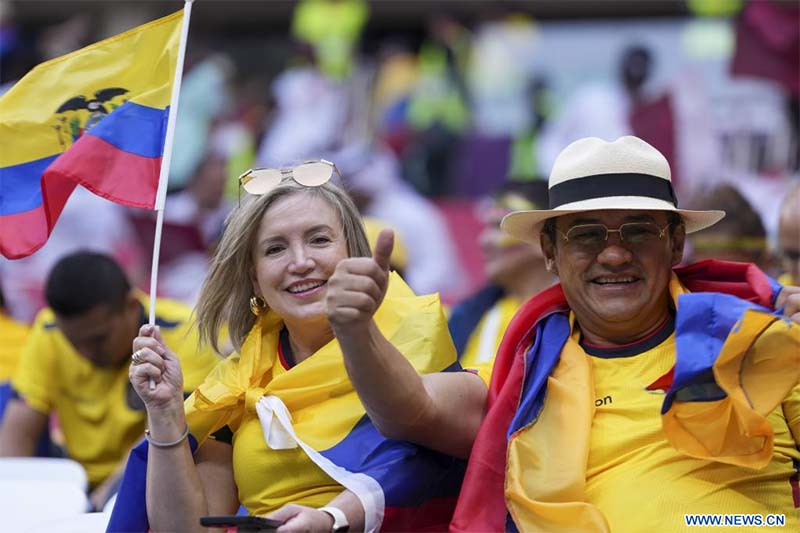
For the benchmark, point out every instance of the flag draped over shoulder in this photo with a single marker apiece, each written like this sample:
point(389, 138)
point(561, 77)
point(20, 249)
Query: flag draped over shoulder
point(402, 487)
point(534, 345)
point(96, 117)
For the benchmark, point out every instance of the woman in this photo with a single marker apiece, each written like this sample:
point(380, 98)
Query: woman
point(516, 272)
point(300, 437)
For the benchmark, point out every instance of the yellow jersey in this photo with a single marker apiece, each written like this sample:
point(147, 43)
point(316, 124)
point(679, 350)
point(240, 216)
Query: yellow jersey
point(629, 452)
point(99, 413)
point(482, 345)
point(293, 475)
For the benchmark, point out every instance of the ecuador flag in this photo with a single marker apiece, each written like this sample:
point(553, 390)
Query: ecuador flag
point(526, 473)
point(96, 117)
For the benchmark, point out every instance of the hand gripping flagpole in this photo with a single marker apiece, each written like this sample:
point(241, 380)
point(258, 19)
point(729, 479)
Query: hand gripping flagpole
point(163, 176)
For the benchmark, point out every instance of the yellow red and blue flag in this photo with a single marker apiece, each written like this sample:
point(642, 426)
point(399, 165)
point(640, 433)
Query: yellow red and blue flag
point(402, 487)
point(96, 117)
point(526, 472)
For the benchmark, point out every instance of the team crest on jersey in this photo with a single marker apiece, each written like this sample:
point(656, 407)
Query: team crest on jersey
point(79, 114)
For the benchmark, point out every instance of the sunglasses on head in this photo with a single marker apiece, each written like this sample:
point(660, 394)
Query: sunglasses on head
point(260, 181)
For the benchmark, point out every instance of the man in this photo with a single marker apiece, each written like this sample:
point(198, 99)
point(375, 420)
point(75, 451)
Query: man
point(515, 270)
point(75, 364)
point(789, 237)
point(578, 434)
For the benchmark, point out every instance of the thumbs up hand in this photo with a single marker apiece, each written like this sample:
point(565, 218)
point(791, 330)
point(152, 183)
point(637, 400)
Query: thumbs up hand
point(357, 287)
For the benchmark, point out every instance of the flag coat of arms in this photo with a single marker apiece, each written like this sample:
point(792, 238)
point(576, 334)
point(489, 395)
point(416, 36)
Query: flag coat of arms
point(96, 117)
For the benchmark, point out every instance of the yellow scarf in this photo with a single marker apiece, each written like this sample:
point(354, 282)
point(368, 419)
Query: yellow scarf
point(317, 392)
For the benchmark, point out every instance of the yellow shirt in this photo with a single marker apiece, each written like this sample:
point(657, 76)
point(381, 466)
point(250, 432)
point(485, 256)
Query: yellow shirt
point(629, 454)
point(293, 475)
point(99, 413)
point(12, 338)
point(482, 344)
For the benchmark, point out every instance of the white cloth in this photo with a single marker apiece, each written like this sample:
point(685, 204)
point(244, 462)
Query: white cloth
point(595, 110)
point(276, 424)
point(309, 116)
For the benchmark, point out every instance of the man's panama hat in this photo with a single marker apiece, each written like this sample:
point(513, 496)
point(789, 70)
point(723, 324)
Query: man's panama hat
point(592, 174)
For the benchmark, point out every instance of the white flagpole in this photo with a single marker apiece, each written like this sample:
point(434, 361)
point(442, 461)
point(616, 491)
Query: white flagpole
point(166, 158)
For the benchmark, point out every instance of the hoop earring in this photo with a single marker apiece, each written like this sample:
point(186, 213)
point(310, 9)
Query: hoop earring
point(257, 305)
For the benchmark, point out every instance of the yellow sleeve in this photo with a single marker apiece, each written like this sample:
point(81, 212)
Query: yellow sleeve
point(36, 377)
point(416, 326)
point(791, 410)
point(487, 336)
point(205, 407)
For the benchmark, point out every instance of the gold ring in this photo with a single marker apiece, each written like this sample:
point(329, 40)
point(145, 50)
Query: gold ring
point(137, 357)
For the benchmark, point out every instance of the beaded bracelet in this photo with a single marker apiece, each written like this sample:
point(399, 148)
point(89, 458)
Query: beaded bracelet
point(167, 444)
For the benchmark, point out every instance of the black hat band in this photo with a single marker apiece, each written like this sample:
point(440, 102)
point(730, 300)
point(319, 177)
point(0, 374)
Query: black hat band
point(605, 185)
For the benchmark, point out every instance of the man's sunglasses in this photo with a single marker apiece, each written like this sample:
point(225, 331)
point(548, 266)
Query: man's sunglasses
point(260, 181)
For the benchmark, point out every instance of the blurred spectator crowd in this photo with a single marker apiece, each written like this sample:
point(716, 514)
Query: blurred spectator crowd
point(423, 125)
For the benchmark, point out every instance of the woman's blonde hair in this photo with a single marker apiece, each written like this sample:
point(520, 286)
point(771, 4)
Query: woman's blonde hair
point(227, 289)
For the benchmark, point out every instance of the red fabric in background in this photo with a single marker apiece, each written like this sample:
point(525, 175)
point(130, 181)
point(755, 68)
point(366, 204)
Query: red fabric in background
point(654, 122)
point(768, 43)
point(464, 227)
